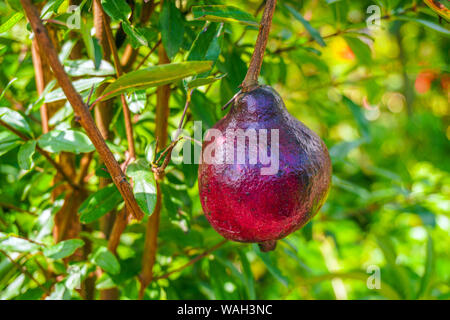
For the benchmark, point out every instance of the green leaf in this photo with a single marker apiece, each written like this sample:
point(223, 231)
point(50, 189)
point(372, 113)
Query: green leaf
point(137, 101)
point(98, 53)
point(137, 39)
point(428, 218)
point(25, 155)
point(313, 32)
point(99, 204)
point(144, 185)
point(6, 89)
point(204, 40)
point(117, 9)
point(67, 140)
point(248, 274)
point(106, 260)
point(270, 265)
point(8, 141)
point(154, 77)
point(172, 27)
point(78, 68)
point(59, 293)
point(350, 187)
point(360, 49)
point(15, 120)
point(429, 24)
point(63, 249)
point(199, 82)
point(429, 266)
point(79, 85)
point(10, 243)
point(221, 13)
point(360, 119)
point(16, 17)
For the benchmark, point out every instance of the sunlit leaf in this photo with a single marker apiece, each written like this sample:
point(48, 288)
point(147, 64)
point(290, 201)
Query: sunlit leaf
point(99, 203)
point(313, 32)
point(15, 120)
point(78, 68)
point(80, 86)
point(144, 185)
point(117, 9)
point(25, 155)
point(154, 76)
point(63, 249)
point(11, 243)
point(11, 22)
point(221, 13)
point(106, 260)
point(67, 140)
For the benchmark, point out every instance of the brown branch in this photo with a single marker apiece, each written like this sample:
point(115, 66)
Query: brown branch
point(81, 109)
point(151, 236)
point(40, 82)
point(251, 78)
point(191, 262)
point(44, 153)
point(119, 72)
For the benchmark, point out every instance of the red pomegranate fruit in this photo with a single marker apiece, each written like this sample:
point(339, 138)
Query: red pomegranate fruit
point(258, 202)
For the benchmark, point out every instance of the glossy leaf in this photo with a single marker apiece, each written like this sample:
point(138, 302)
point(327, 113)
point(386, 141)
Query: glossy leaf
point(106, 260)
point(137, 101)
point(8, 24)
point(221, 13)
point(144, 185)
point(8, 141)
point(68, 140)
point(78, 68)
point(99, 203)
point(154, 76)
point(80, 86)
point(136, 38)
point(63, 249)
point(172, 28)
point(15, 120)
point(10, 243)
point(117, 9)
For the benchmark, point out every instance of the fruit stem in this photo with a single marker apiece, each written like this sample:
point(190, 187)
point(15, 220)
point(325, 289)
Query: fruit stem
point(268, 245)
point(251, 78)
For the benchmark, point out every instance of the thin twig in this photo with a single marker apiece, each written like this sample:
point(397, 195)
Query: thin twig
point(25, 271)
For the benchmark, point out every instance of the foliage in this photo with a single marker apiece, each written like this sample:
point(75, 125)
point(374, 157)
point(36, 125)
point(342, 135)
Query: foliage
point(377, 96)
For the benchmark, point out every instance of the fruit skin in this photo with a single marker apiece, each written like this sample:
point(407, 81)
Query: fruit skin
point(243, 205)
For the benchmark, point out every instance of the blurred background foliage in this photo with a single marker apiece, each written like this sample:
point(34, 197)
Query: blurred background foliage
point(378, 97)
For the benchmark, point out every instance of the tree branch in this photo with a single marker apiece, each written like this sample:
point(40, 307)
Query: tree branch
point(81, 109)
point(251, 79)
